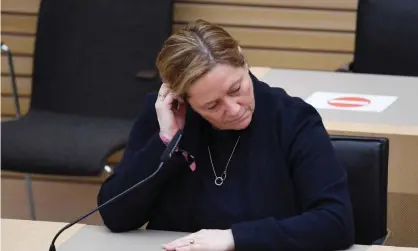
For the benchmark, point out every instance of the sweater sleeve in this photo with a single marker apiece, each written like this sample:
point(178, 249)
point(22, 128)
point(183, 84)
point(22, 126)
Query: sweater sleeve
point(326, 221)
point(140, 159)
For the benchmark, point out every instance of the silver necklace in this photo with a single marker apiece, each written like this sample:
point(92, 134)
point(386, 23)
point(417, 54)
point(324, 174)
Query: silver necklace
point(219, 180)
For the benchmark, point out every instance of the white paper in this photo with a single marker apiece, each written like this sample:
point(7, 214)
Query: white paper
point(350, 101)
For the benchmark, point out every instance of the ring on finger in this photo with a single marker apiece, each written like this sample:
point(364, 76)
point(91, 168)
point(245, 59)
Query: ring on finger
point(191, 241)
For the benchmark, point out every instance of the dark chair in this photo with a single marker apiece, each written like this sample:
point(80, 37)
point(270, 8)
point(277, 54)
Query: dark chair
point(386, 38)
point(366, 162)
point(86, 91)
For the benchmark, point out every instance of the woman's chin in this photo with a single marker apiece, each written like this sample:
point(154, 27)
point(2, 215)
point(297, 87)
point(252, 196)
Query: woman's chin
point(240, 125)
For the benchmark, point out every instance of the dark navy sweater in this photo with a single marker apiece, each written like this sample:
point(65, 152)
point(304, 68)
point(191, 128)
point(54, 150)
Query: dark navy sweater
point(285, 189)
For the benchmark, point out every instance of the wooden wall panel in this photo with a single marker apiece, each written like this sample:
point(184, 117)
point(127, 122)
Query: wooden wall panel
point(22, 6)
point(22, 65)
point(19, 45)
point(260, 38)
point(31, 6)
point(290, 39)
point(313, 4)
point(23, 86)
point(267, 17)
point(8, 105)
point(49, 203)
point(296, 59)
point(17, 23)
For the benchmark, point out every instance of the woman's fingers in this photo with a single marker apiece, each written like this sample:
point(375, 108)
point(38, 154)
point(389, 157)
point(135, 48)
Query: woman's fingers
point(188, 240)
point(168, 100)
point(194, 247)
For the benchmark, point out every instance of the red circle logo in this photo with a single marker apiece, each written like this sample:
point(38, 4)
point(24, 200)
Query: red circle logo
point(345, 102)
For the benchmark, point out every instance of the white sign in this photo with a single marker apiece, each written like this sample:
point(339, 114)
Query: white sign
point(350, 101)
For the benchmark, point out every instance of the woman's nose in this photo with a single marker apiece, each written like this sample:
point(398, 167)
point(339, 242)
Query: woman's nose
point(232, 107)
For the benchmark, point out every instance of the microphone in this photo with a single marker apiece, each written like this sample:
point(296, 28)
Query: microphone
point(168, 152)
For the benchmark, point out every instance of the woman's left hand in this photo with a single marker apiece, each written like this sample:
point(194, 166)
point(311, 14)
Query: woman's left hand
point(204, 240)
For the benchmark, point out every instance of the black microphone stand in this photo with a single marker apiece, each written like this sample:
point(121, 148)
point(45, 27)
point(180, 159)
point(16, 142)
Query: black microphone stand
point(164, 157)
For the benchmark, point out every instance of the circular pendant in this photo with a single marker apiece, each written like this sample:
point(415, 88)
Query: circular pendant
point(219, 181)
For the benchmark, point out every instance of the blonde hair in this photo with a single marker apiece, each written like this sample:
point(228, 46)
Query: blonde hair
point(193, 51)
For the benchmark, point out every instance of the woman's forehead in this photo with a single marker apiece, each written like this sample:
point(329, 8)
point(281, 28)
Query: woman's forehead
point(217, 80)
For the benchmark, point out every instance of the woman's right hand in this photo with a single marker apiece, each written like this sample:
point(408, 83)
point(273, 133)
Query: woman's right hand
point(170, 119)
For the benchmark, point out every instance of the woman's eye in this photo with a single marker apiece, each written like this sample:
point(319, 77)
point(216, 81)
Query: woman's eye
point(212, 107)
point(236, 90)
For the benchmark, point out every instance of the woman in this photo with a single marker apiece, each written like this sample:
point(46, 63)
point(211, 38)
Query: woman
point(255, 169)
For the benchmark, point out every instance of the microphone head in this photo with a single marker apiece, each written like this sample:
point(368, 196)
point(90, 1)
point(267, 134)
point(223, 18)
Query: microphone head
point(171, 147)
point(4, 47)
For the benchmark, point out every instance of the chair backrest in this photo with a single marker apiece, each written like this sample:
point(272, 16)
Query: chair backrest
point(88, 53)
point(366, 162)
point(386, 37)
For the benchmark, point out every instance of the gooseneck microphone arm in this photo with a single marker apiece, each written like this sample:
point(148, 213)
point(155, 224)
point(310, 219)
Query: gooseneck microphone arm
point(164, 157)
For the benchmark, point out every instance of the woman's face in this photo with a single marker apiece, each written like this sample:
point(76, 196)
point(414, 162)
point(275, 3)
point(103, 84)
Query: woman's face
point(224, 96)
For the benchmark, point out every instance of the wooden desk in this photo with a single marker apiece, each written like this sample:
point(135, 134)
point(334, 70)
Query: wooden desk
point(22, 235)
point(398, 119)
point(399, 123)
